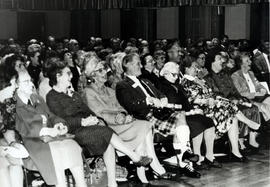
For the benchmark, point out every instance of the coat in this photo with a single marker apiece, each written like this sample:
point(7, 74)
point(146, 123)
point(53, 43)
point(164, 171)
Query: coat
point(133, 99)
point(241, 84)
point(29, 123)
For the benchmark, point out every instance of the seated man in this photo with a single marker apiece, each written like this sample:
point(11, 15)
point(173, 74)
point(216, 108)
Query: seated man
point(141, 99)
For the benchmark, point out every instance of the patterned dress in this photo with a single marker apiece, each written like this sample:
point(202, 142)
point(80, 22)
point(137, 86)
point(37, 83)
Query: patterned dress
point(7, 114)
point(222, 113)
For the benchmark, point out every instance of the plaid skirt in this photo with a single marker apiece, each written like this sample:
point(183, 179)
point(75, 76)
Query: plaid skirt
point(165, 127)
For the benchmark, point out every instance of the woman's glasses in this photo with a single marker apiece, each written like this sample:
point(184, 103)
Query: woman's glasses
point(175, 74)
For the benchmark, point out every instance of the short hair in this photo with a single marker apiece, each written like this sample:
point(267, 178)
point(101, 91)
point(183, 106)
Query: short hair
point(52, 67)
point(128, 58)
point(143, 58)
point(239, 59)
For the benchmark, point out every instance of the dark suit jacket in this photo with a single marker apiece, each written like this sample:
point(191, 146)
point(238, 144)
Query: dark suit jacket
point(260, 68)
point(133, 99)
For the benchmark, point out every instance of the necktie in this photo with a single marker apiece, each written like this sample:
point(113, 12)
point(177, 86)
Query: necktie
point(147, 88)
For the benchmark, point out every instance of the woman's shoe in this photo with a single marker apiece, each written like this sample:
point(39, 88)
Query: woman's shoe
point(201, 166)
point(190, 156)
point(144, 161)
point(235, 158)
point(165, 176)
point(213, 164)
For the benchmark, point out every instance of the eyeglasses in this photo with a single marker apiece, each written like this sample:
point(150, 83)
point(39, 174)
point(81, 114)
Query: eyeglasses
point(203, 58)
point(175, 74)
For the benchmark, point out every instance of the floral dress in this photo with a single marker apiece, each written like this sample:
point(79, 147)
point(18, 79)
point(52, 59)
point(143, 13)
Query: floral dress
point(222, 113)
point(7, 114)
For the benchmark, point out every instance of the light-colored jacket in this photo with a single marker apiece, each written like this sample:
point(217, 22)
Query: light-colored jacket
point(242, 85)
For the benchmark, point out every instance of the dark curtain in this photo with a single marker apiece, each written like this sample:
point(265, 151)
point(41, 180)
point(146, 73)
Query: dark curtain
point(108, 4)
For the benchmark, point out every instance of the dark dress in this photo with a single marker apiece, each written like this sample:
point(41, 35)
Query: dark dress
point(95, 138)
point(222, 84)
point(176, 95)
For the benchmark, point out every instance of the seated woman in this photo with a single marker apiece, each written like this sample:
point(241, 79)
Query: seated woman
point(11, 151)
point(89, 131)
point(115, 62)
point(200, 63)
point(200, 126)
point(137, 134)
point(224, 113)
point(37, 124)
point(221, 82)
point(248, 86)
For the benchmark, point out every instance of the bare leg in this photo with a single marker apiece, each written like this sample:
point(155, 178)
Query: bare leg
point(209, 137)
point(233, 138)
point(251, 124)
point(140, 150)
point(118, 144)
point(155, 164)
point(109, 160)
point(78, 174)
point(16, 176)
point(197, 142)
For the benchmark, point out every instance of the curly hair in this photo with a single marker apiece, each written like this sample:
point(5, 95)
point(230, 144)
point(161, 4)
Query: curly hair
point(7, 69)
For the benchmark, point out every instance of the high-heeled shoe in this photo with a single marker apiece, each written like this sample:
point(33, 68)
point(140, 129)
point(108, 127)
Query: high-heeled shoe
point(165, 176)
point(144, 161)
point(190, 156)
point(234, 158)
point(212, 164)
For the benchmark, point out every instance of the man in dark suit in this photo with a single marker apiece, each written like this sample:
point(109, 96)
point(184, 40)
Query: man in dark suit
point(261, 63)
point(141, 99)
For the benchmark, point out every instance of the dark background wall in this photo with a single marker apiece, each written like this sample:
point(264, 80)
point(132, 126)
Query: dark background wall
point(243, 21)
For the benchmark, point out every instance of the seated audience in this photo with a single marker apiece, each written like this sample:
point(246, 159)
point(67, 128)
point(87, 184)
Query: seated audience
point(11, 150)
point(90, 132)
point(137, 134)
point(200, 126)
point(248, 86)
point(140, 98)
point(37, 125)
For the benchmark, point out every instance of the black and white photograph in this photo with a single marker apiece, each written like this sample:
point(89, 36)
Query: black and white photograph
point(134, 93)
